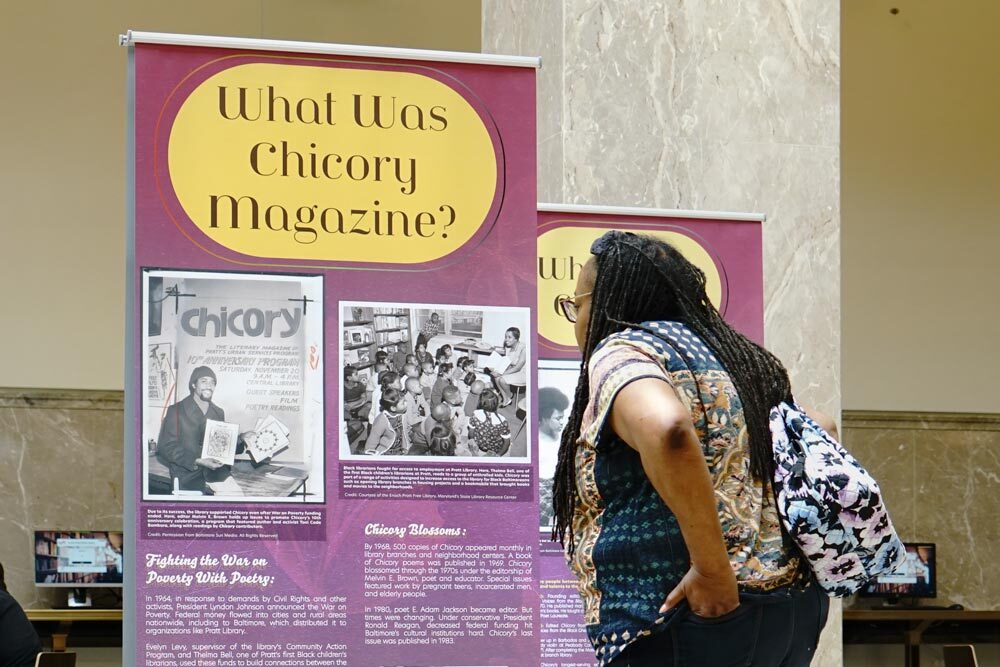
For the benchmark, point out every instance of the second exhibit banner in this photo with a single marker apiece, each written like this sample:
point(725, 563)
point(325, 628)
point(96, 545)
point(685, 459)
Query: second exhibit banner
point(725, 246)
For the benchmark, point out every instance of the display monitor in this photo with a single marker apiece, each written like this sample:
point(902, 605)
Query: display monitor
point(915, 578)
point(74, 559)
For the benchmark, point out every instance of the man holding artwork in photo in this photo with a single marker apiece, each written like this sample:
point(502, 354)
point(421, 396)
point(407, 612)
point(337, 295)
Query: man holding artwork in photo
point(183, 432)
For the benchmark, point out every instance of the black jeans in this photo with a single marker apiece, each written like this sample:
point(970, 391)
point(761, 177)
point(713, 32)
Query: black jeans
point(764, 631)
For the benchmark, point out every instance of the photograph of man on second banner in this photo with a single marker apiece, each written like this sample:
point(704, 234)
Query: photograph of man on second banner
point(434, 381)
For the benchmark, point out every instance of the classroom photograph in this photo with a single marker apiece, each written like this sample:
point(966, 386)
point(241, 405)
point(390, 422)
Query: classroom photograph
point(435, 382)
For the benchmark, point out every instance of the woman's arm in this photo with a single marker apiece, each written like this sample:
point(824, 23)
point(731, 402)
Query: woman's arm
point(648, 416)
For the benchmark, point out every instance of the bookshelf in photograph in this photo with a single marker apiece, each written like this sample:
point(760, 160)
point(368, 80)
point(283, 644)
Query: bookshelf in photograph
point(359, 339)
point(392, 332)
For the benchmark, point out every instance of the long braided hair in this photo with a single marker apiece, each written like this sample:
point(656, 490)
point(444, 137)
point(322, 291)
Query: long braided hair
point(640, 278)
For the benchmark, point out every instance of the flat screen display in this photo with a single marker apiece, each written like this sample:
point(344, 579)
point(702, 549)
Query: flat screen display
point(915, 578)
point(78, 559)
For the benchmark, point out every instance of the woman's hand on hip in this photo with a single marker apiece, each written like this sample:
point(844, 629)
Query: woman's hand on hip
point(708, 595)
point(649, 416)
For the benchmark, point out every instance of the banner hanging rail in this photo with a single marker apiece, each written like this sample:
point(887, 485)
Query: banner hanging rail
point(652, 212)
point(133, 37)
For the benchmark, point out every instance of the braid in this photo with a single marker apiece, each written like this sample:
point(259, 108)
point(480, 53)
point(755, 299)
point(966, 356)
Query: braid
point(618, 281)
point(640, 279)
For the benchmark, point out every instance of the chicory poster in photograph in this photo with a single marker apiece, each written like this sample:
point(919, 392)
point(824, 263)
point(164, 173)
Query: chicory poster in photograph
point(331, 437)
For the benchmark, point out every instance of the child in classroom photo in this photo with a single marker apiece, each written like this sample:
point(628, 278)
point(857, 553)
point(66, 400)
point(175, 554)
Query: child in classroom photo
point(443, 380)
point(386, 379)
point(417, 407)
point(489, 431)
point(427, 378)
point(389, 435)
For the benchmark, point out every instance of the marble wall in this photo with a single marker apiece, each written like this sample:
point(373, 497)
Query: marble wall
point(713, 105)
point(60, 469)
point(940, 474)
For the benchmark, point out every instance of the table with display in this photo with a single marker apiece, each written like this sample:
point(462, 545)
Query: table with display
point(474, 349)
point(270, 480)
point(85, 627)
point(915, 626)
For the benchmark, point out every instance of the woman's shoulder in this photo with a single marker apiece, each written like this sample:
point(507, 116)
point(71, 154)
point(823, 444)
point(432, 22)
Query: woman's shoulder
point(657, 338)
point(629, 341)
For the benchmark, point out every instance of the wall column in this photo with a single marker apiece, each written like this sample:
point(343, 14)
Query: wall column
point(704, 105)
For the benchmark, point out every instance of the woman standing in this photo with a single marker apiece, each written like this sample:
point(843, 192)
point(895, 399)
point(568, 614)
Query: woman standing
point(662, 496)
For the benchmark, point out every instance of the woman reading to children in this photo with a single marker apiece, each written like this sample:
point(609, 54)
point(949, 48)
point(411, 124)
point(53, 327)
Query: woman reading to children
point(662, 496)
point(517, 352)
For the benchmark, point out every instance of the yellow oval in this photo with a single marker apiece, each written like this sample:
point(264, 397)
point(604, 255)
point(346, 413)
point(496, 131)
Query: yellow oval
point(288, 161)
point(563, 251)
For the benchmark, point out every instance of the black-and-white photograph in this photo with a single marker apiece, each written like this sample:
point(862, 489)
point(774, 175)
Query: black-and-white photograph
point(556, 388)
point(431, 381)
point(232, 373)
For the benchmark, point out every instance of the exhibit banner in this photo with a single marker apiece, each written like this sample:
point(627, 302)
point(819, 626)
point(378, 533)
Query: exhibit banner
point(330, 439)
point(725, 246)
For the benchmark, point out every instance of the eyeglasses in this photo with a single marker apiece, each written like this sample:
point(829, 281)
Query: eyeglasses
point(568, 306)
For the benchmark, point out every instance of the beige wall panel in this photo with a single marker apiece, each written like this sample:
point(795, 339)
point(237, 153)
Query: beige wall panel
point(63, 180)
point(452, 25)
point(62, 128)
point(921, 164)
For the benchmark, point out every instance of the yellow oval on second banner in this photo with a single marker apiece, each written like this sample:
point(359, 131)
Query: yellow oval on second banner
point(563, 251)
point(314, 162)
